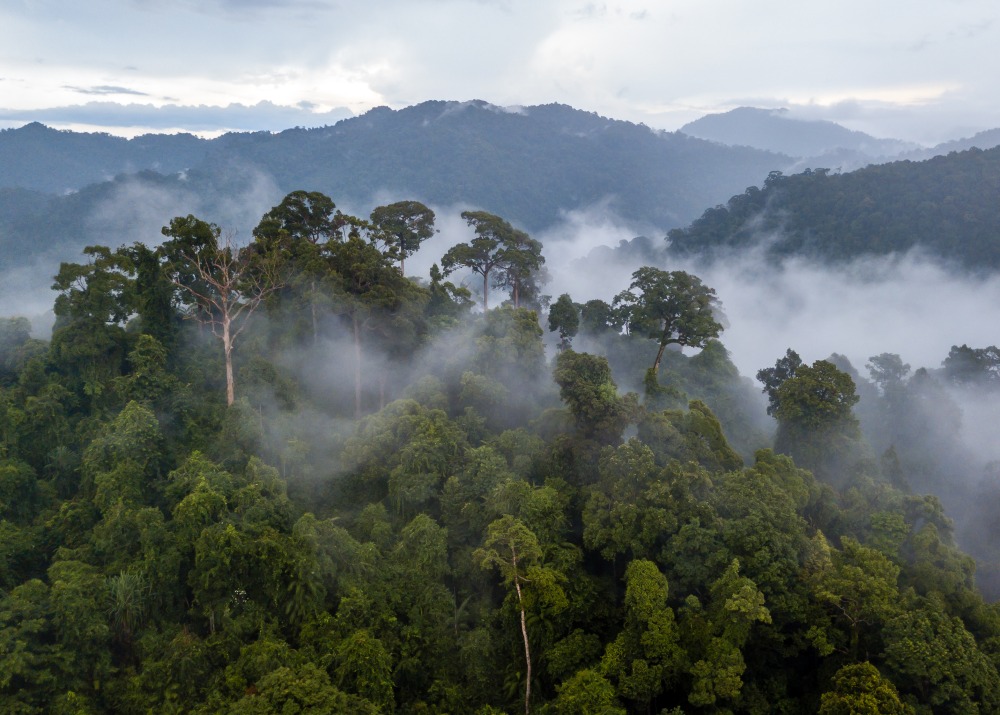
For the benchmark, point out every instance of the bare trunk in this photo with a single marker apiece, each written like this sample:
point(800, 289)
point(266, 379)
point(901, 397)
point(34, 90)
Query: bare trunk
point(486, 287)
point(517, 302)
point(357, 367)
point(312, 306)
point(659, 357)
point(227, 346)
point(524, 635)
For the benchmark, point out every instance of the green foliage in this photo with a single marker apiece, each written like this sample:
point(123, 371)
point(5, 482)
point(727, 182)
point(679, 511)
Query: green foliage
point(564, 318)
point(879, 210)
point(673, 308)
point(860, 689)
point(587, 693)
point(503, 255)
point(467, 540)
point(586, 386)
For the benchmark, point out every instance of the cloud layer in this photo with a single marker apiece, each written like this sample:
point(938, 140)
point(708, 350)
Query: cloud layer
point(893, 69)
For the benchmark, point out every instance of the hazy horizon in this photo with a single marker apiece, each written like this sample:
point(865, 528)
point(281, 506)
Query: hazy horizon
point(893, 71)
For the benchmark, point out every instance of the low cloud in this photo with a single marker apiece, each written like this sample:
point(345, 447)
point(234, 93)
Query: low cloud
point(105, 89)
point(125, 118)
point(915, 305)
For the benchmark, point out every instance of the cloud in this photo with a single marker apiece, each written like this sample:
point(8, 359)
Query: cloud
point(263, 116)
point(105, 89)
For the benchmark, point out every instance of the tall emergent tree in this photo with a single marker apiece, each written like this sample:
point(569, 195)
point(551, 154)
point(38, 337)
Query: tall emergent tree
point(513, 548)
point(499, 250)
point(772, 378)
point(521, 261)
point(222, 292)
point(308, 215)
point(403, 225)
point(293, 233)
point(671, 307)
point(816, 425)
point(564, 317)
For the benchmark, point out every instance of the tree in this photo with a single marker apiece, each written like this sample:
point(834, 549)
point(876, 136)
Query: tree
point(587, 693)
point(858, 585)
point(373, 297)
point(932, 655)
point(859, 689)
point(88, 337)
point(773, 377)
point(512, 548)
point(816, 425)
point(587, 388)
point(302, 215)
point(564, 317)
point(499, 247)
point(403, 225)
point(222, 291)
point(646, 655)
point(291, 238)
point(521, 262)
point(973, 366)
point(670, 307)
point(889, 373)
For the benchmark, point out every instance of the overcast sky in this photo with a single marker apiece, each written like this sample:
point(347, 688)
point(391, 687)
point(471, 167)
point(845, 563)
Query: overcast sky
point(924, 71)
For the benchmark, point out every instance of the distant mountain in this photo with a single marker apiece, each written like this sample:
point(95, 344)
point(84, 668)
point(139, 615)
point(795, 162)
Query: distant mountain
point(945, 206)
point(983, 140)
point(43, 159)
point(775, 131)
point(531, 165)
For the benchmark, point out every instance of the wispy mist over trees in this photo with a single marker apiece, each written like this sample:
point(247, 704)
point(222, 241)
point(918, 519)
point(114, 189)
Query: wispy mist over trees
point(401, 500)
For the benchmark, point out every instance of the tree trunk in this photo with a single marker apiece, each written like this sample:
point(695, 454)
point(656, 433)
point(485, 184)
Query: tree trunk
point(227, 346)
point(357, 367)
point(486, 287)
point(659, 357)
point(524, 635)
point(312, 306)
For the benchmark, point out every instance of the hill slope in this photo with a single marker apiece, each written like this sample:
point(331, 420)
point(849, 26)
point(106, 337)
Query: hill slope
point(946, 206)
point(531, 166)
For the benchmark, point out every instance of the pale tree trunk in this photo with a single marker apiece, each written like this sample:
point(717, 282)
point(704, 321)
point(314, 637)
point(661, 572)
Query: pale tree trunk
point(524, 635)
point(659, 357)
point(227, 346)
point(486, 288)
point(312, 306)
point(357, 367)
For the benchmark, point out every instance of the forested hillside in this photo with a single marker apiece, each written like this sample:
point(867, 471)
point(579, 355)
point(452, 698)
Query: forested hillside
point(775, 130)
point(532, 165)
point(946, 207)
point(283, 478)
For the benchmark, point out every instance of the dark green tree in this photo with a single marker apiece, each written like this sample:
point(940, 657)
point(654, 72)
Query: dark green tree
point(816, 424)
point(590, 393)
point(859, 689)
point(499, 252)
point(773, 377)
point(564, 318)
point(403, 225)
point(672, 308)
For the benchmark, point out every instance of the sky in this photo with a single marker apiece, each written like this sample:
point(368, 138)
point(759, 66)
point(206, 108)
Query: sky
point(922, 72)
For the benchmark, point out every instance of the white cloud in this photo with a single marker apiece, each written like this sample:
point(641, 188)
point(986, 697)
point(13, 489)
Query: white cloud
point(662, 64)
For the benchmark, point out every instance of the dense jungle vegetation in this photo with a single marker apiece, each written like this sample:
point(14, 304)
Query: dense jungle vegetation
point(945, 206)
point(285, 478)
